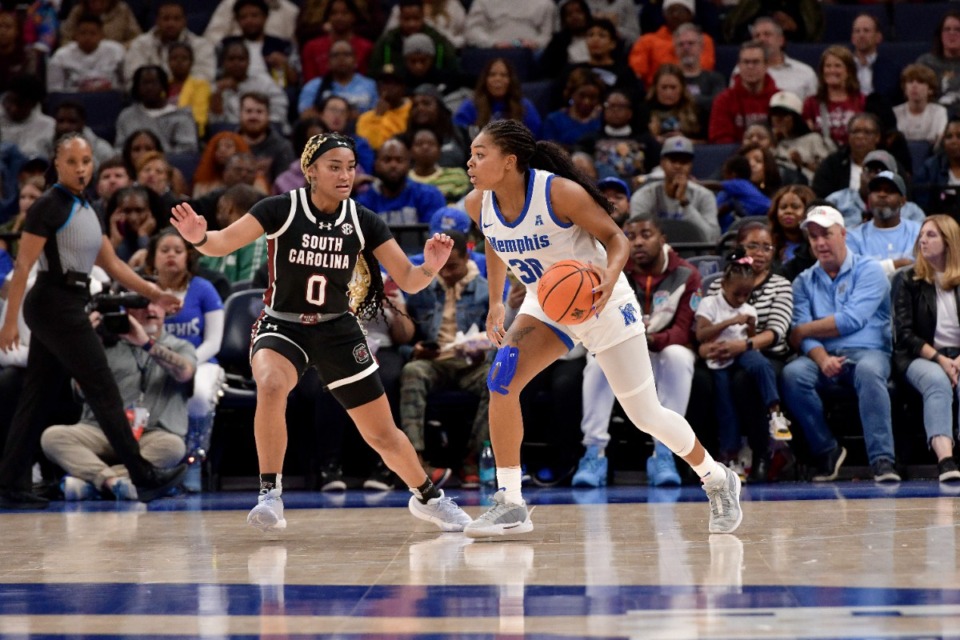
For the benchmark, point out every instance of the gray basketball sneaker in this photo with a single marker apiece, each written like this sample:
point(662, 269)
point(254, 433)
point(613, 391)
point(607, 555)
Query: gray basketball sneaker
point(268, 514)
point(503, 519)
point(441, 511)
point(724, 496)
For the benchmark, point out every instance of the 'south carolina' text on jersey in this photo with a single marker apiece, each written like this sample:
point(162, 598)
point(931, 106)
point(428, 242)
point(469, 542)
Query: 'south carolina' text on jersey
point(320, 251)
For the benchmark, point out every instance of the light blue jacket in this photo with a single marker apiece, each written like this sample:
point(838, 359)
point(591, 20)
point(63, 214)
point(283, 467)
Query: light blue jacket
point(858, 299)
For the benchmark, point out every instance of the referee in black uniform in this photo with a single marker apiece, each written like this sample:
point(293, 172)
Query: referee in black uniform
point(65, 234)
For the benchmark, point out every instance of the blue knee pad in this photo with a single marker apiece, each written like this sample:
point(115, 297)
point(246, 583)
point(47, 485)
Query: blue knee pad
point(503, 369)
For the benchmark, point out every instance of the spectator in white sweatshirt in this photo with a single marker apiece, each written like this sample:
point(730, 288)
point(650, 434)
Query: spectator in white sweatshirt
point(89, 63)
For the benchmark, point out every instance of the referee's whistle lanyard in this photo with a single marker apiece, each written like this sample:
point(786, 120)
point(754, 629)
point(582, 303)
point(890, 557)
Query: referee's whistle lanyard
point(81, 199)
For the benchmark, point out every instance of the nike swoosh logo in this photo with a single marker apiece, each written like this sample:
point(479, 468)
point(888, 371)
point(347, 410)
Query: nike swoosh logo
point(512, 526)
point(487, 225)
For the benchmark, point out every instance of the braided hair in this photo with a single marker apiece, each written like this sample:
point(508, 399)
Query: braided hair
point(513, 137)
point(366, 285)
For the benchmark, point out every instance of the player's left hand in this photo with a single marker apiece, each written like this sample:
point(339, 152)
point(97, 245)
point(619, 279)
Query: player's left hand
point(436, 251)
point(605, 288)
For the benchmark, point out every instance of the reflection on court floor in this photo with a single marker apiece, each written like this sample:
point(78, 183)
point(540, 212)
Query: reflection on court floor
point(847, 560)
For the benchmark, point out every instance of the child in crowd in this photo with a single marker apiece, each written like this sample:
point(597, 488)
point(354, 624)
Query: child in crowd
point(729, 317)
point(90, 63)
point(920, 118)
point(738, 196)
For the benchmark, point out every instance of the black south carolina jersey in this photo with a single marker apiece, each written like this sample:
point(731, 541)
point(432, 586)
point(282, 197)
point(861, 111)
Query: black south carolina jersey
point(311, 254)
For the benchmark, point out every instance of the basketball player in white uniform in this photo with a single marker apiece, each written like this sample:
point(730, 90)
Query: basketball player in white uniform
point(531, 219)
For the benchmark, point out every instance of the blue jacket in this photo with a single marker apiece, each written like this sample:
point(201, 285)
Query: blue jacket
point(10, 162)
point(416, 203)
point(858, 299)
point(426, 308)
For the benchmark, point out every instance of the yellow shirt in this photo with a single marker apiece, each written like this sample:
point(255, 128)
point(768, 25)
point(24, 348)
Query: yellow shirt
point(195, 95)
point(378, 129)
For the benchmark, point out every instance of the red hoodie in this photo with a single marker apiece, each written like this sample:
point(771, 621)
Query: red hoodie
point(735, 109)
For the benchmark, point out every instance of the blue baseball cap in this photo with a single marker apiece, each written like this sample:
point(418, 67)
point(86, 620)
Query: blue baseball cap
point(614, 183)
point(446, 218)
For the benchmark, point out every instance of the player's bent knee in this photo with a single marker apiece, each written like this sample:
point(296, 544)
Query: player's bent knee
point(503, 369)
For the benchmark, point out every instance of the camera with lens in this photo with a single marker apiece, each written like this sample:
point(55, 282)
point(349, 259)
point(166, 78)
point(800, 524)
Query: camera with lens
point(113, 309)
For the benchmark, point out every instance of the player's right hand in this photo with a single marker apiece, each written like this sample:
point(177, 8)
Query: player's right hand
point(495, 319)
point(191, 225)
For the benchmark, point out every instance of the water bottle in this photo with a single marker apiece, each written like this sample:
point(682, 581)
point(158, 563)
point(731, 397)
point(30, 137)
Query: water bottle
point(488, 468)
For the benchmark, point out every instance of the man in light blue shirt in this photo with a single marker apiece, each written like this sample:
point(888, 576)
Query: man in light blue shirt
point(886, 237)
point(851, 202)
point(841, 328)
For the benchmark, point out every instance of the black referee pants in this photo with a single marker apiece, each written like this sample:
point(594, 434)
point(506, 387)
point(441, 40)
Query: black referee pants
point(63, 344)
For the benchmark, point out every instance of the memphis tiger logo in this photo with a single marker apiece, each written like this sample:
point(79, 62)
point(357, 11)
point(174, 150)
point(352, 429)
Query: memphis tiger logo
point(629, 313)
point(361, 354)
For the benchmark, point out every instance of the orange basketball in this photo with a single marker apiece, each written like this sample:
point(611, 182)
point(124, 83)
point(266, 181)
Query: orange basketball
point(566, 293)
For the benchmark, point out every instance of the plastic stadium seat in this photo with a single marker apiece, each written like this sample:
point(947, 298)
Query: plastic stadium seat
point(540, 93)
point(708, 280)
point(838, 20)
point(681, 231)
point(102, 107)
point(186, 163)
point(241, 311)
point(726, 56)
point(473, 59)
point(919, 152)
point(707, 265)
point(808, 52)
point(708, 158)
point(918, 22)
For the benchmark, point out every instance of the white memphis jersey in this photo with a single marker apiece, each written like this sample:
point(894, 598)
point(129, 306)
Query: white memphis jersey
point(536, 240)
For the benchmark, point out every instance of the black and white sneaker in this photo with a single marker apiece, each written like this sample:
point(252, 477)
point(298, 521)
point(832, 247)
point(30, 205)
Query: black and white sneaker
point(948, 470)
point(382, 479)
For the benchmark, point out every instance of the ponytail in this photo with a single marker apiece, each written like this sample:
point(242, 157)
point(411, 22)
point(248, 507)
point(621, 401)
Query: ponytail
point(739, 264)
point(513, 137)
point(551, 157)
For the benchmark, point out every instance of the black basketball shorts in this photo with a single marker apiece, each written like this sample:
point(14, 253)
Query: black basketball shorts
point(337, 349)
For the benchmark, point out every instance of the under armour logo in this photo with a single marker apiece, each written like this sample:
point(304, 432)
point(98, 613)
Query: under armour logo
point(325, 225)
point(270, 327)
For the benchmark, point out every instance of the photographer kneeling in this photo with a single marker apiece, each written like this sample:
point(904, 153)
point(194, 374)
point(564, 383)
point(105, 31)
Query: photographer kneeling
point(154, 371)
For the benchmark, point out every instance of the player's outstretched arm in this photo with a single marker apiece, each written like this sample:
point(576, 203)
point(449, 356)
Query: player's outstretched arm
point(409, 277)
point(193, 227)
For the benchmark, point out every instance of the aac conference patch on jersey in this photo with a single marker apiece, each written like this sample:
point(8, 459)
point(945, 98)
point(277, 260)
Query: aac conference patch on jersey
point(361, 353)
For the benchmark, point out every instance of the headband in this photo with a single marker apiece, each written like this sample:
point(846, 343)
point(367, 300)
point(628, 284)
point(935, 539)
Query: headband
point(320, 144)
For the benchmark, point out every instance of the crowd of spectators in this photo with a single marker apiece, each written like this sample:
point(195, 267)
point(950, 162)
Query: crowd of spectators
point(692, 116)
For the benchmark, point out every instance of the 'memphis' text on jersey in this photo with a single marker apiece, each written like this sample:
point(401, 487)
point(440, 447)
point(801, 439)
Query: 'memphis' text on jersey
point(521, 245)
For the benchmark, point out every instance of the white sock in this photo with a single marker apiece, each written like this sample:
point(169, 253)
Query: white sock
point(508, 480)
point(709, 469)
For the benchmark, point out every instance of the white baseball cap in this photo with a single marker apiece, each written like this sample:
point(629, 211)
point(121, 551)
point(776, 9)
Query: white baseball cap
point(823, 216)
point(690, 5)
point(787, 101)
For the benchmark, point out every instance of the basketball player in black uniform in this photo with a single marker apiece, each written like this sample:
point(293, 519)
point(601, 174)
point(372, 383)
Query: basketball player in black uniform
point(66, 236)
point(315, 237)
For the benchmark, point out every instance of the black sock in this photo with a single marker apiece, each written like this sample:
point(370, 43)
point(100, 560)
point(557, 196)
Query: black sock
point(427, 491)
point(268, 481)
